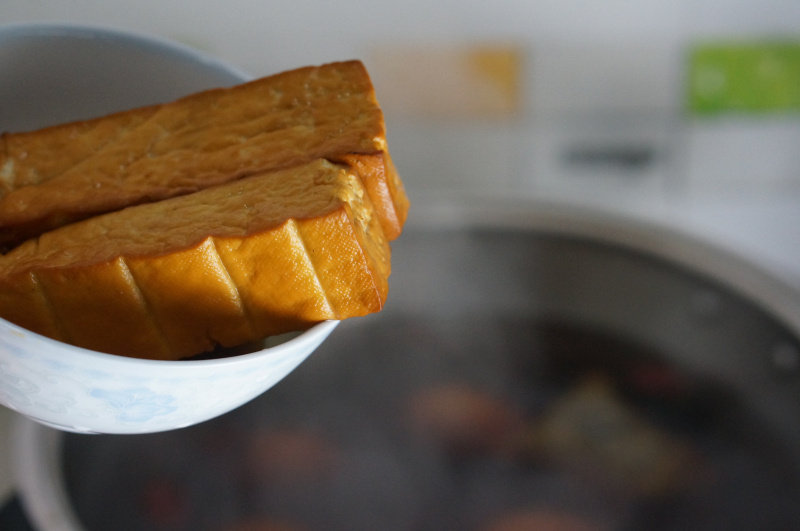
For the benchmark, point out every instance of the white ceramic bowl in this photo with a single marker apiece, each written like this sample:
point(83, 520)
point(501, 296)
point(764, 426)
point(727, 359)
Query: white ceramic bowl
point(52, 74)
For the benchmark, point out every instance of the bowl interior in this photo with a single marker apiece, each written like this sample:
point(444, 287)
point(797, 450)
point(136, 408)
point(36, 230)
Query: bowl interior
point(56, 73)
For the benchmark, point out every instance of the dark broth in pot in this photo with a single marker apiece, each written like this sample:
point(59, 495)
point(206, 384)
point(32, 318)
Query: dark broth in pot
point(482, 421)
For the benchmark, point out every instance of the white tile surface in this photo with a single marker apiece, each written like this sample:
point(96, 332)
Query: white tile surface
point(454, 155)
point(586, 78)
point(628, 159)
point(755, 154)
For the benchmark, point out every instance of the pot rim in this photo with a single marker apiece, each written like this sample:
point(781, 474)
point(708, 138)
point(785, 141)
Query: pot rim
point(678, 246)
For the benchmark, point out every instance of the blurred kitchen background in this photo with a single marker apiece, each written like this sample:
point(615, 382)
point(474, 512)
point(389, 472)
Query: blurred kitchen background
point(680, 110)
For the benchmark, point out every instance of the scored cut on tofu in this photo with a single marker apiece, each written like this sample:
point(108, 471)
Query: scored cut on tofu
point(266, 254)
point(54, 176)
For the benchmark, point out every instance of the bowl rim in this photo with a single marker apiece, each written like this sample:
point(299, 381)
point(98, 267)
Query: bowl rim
point(96, 358)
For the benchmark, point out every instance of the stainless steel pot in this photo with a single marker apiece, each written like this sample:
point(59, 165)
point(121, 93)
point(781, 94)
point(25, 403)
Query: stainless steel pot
point(572, 343)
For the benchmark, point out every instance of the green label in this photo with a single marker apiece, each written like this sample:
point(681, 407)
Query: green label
point(744, 77)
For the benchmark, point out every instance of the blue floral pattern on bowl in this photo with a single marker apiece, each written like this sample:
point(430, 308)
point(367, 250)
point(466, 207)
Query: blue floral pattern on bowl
point(77, 390)
point(137, 404)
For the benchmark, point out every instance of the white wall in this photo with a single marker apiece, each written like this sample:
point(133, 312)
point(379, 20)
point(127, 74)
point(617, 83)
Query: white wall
point(266, 35)
point(594, 74)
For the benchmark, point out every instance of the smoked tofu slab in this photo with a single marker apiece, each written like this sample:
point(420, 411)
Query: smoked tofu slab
point(216, 220)
point(263, 255)
point(65, 173)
